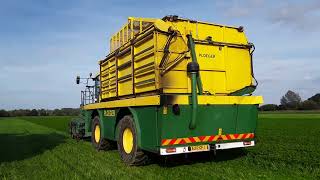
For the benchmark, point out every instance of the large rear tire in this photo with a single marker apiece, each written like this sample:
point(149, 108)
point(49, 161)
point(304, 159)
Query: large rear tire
point(127, 143)
point(98, 142)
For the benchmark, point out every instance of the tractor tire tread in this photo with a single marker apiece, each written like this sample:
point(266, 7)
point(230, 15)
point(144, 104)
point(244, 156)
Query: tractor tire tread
point(137, 157)
point(104, 144)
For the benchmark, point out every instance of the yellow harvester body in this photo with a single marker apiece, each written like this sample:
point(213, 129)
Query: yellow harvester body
point(150, 57)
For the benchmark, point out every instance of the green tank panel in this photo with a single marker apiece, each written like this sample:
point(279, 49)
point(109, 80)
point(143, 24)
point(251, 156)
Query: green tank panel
point(154, 123)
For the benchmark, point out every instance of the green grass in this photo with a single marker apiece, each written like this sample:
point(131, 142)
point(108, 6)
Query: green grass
point(39, 148)
point(59, 123)
point(291, 112)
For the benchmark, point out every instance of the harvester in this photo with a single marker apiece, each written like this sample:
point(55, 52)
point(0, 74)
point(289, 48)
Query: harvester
point(171, 86)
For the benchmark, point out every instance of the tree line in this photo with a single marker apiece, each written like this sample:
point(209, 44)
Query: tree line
point(292, 101)
point(40, 112)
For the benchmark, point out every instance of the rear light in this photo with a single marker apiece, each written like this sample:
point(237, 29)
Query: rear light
point(247, 143)
point(170, 150)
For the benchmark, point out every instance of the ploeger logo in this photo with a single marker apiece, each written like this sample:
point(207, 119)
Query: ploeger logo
point(207, 55)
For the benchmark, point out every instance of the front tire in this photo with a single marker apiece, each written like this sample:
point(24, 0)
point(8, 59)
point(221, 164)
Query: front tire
point(98, 142)
point(127, 143)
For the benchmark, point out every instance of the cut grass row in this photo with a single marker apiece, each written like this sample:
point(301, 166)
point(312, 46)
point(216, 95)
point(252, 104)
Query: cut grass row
point(59, 123)
point(38, 148)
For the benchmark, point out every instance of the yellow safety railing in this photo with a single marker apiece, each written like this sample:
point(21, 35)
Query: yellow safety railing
point(129, 30)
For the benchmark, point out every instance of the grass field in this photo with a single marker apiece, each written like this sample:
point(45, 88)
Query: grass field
point(288, 147)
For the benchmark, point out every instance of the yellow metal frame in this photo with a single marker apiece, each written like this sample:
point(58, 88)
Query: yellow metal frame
point(203, 99)
point(178, 99)
point(138, 101)
point(127, 32)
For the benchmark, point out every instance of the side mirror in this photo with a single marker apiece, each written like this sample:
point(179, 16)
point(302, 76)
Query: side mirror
point(78, 79)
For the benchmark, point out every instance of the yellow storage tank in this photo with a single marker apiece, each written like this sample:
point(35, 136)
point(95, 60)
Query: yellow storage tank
point(150, 56)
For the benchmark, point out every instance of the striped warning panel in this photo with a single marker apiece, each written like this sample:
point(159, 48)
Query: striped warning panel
point(212, 138)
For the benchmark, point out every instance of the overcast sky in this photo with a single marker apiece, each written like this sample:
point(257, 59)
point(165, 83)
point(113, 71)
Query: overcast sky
point(44, 44)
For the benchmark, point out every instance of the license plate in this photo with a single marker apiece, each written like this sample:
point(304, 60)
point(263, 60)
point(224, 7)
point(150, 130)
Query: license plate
point(199, 148)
